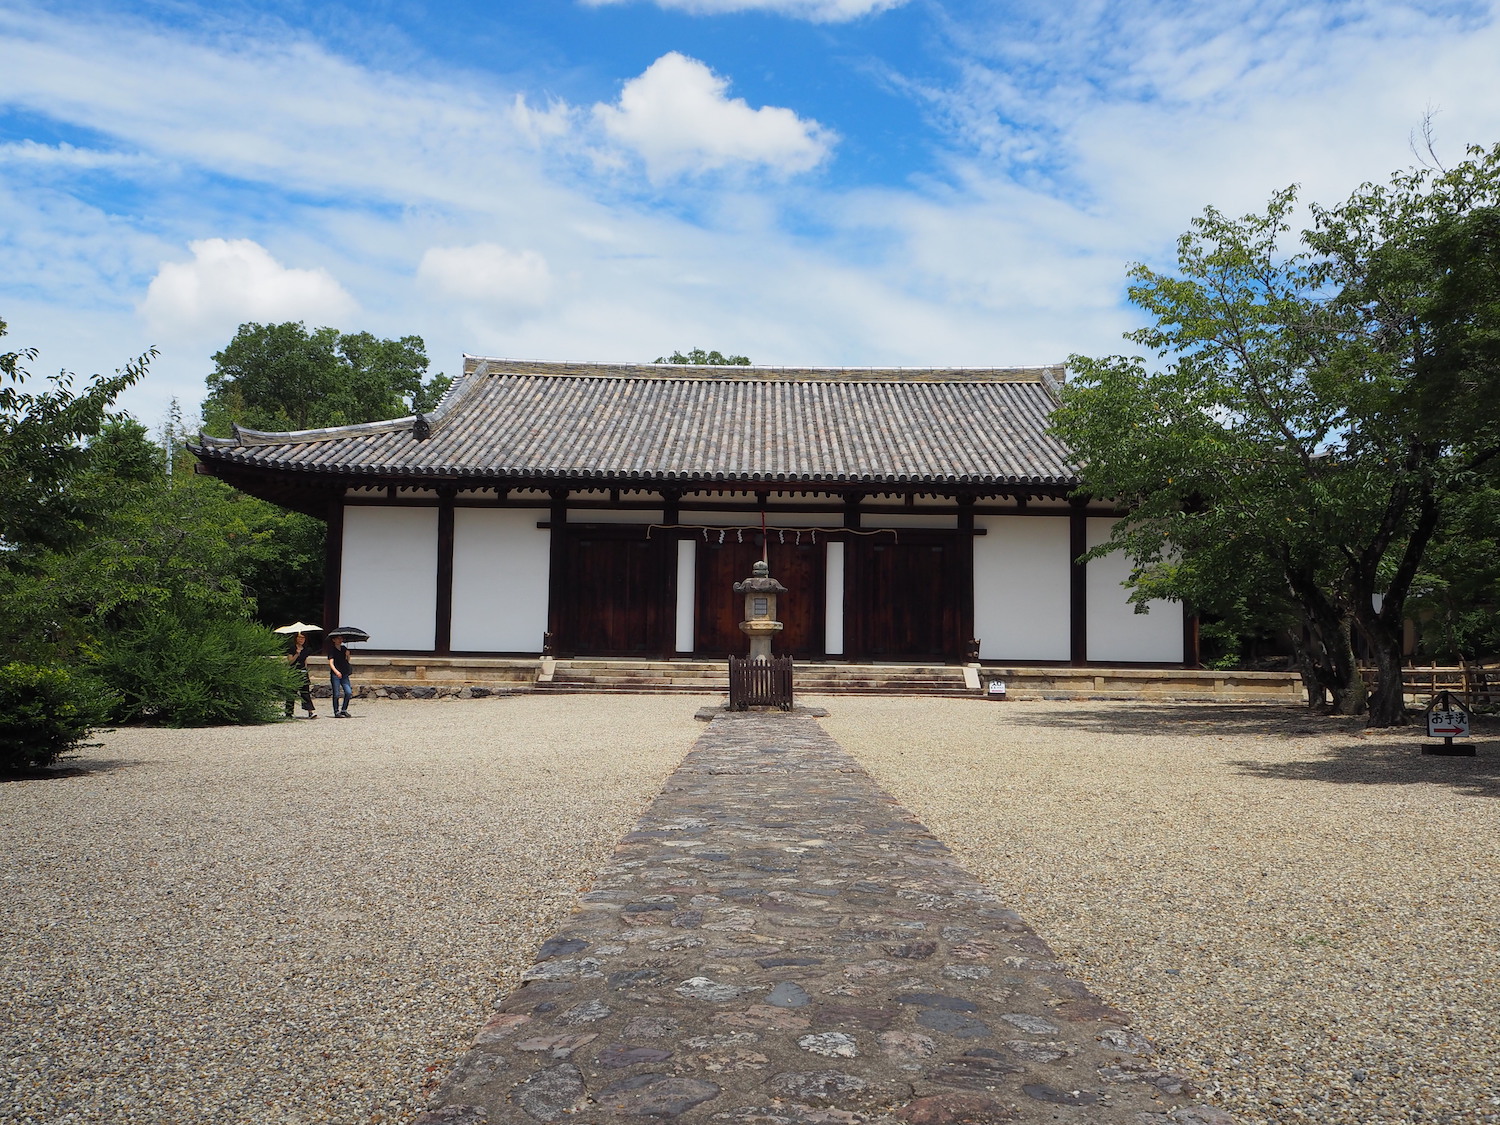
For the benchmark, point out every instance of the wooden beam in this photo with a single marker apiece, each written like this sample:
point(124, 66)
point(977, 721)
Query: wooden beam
point(1191, 656)
point(557, 574)
point(1078, 588)
point(333, 563)
point(851, 510)
point(964, 577)
point(443, 633)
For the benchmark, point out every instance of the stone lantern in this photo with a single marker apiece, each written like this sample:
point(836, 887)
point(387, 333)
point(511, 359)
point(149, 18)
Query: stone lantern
point(760, 623)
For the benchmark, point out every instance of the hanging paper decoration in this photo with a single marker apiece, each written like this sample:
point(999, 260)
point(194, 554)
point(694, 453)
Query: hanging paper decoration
point(721, 537)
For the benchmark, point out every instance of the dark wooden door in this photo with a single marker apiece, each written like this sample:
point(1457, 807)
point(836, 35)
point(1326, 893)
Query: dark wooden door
point(800, 568)
point(904, 604)
point(719, 610)
point(618, 594)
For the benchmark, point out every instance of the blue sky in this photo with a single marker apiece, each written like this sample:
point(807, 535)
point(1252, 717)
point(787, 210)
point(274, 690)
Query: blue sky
point(829, 182)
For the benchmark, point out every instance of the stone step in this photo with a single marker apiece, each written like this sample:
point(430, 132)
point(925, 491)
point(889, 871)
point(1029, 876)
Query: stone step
point(653, 687)
point(825, 685)
point(519, 674)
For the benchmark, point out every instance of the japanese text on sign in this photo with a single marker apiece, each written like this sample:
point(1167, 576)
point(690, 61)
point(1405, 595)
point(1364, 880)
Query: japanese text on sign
point(1447, 724)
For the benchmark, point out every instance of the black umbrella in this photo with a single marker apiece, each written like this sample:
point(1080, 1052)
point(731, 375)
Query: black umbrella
point(349, 633)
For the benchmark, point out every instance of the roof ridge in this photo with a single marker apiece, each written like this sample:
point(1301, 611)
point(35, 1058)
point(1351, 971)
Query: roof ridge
point(1047, 374)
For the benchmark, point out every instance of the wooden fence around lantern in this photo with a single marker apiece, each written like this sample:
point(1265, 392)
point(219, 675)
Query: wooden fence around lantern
point(760, 683)
point(1477, 684)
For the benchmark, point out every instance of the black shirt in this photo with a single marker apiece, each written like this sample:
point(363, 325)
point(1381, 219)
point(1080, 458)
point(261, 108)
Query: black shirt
point(339, 655)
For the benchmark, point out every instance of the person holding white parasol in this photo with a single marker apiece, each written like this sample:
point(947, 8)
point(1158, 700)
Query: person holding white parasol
point(302, 648)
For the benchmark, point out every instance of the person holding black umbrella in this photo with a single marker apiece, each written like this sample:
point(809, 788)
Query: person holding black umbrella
point(339, 670)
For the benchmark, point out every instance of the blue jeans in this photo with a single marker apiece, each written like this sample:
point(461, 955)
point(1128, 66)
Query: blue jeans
point(342, 692)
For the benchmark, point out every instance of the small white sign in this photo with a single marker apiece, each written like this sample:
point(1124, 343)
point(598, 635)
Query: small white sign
point(1448, 724)
point(997, 687)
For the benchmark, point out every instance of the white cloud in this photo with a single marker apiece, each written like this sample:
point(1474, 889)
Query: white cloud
point(1078, 145)
point(278, 110)
point(232, 281)
point(1150, 112)
point(66, 156)
point(818, 11)
point(677, 118)
point(487, 273)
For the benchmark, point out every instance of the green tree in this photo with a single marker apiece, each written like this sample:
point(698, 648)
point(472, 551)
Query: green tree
point(1312, 411)
point(112, 564)
point(699, 356)
point(153, 543)
point(42, 448)
point(283, 377)
point(1455, 597)
point(1416, 264)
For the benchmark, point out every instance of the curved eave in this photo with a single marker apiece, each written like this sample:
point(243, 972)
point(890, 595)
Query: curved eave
point(333, 476)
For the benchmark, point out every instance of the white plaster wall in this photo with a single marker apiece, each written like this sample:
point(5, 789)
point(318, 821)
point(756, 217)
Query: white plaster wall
point(774, 519)
point(1021, 588)
point(614, 515)
point(687, 592)
point(833, 589)
point(500, 575)
point(938, 520)
point(1115, 630)
point(388, 585)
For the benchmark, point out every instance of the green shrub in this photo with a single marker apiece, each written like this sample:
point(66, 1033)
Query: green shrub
point(45, 713)
point(184, 670)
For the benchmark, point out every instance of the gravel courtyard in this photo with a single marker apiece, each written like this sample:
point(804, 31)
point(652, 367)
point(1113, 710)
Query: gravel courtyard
point(293, 923)
point(1304, 914)
point(304, 922)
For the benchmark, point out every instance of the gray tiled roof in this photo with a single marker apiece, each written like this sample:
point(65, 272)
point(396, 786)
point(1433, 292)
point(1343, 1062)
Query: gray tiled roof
point(506, 420)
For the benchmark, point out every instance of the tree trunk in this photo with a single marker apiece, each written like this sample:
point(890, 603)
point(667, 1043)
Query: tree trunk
point(1330, 645)
point(1384, 628)
point(1312, 683)
point(1388, 701)
point(1346, 685)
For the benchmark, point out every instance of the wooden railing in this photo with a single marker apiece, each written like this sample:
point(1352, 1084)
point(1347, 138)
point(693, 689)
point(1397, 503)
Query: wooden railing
point(760, 683)
point(1478, 684)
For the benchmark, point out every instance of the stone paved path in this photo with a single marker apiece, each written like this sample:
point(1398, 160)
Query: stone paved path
point(779, 943)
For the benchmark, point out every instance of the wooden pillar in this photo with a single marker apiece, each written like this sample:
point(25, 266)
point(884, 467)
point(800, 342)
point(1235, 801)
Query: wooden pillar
point(333, 563)
point(851, 510)
point(443, 632)
point(856, 596)
point(963, 581)
point(1191, 657)
point(557, 575)
point(1078, 588)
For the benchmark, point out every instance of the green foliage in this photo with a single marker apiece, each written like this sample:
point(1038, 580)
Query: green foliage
point(281, 567)
point(283, 377)
point(699, 356)
point(190, 541)
point(41, 448)
point(44, 714)
point(180, 667)
point(1456, 596)
point(1313, 412)
point(145, 576)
